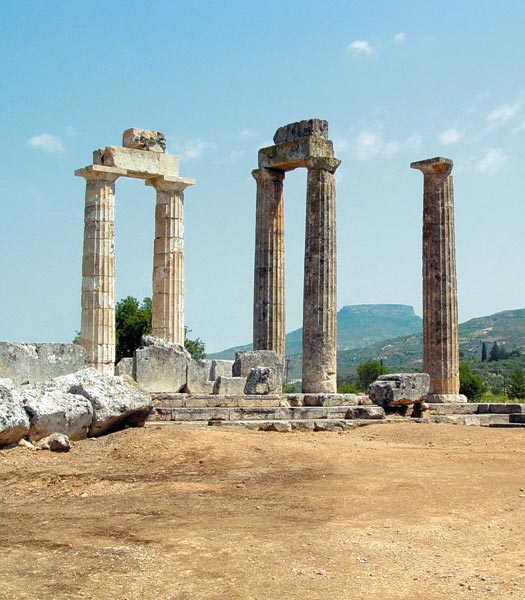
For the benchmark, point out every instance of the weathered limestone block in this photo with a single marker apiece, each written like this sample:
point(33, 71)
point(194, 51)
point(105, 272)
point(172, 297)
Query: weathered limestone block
point(229, 386)
point(365, 412)
point(137, 163)
point(300, 129)
point(199, 377)
point(246, 361)
point(399, 388)
point(446, 398)
point(29, 363)
point(14, 422)
point(294, 154)
point(7, 382)
point(55, 411)
point(262, 380)
point(116, 403)
point(124, 367)
point(221, 367)
point(141, 139)
point(159, 366)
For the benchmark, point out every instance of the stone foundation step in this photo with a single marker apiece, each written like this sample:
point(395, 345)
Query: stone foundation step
point(508, 425)
point(483, 420)
point(273, 413)
point(516, 419)
point(284, 425)
point(473, 408)
point(165, 400)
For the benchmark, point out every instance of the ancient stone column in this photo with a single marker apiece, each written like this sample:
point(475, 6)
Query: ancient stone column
point(268, 296)
point(97, 330)
point(167, 305)
point(440, 310)
point(320, 272)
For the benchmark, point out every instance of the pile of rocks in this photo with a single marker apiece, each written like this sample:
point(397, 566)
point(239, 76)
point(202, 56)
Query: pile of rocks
point(159, 366)
point(81, 404)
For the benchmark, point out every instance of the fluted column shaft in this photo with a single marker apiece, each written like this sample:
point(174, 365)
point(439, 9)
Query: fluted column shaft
point(320, 280)
point(440, 310)
point(97, 330)
point(167, 306)
point(268, 303)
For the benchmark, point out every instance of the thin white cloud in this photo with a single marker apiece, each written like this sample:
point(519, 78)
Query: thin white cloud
point(493, 161)
point(47, 142)
point(360, 47)
point(504, 113)
point(71, 131)
point(195, 148)
point(247, 133)
point(414, 141)
point(368, 145)
point(450, 136)
point(399, 37)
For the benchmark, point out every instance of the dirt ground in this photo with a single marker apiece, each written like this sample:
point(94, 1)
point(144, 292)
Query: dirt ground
point(417, 512)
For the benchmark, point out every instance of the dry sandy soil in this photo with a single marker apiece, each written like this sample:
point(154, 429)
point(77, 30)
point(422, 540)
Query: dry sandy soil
point(417, 512)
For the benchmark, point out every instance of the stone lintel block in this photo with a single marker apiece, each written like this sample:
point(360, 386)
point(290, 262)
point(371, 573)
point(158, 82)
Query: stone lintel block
point(296, 153)
point(221, 367)
point(166, 183)
point(301, 129)
point(137, 163)
point(445, 398)
point(437, 165)
point(246, 361)
point(229, 385)
point(142, 139)
point(100, 172)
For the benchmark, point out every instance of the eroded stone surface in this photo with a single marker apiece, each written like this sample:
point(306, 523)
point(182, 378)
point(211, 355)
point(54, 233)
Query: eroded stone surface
point(137, 163)
point(28, 363)
point(160, 366)
point(142, 139)
point(246, 361)
point(229, 385)
point(199, 377)
point(262, 380)
point(399, 388)
point(300, 129)
point(124, 367)
point(14, 422)
point(221, 367)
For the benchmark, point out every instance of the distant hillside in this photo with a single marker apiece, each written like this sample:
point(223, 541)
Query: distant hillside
point(406, 353)
point(357, 326)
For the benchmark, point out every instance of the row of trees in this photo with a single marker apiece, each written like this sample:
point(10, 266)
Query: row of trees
point(497, 352)
point(471, 384)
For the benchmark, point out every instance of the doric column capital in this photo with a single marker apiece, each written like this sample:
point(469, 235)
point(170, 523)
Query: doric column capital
point(322, 163)
point(93, 172)
point(268, 174)
point(438, 166)
point(165, 183)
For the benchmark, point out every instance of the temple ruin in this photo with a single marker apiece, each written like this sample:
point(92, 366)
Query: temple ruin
point(302, 144)
point(143, 156)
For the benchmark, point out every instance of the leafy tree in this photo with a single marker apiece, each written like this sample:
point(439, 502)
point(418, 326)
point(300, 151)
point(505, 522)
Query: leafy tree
point(517, 384)
point(368, 372)
point(197, 348)
point(132, 321)
point(470, 385)
point(76, 339)
point(346, 387)
point(483, 352)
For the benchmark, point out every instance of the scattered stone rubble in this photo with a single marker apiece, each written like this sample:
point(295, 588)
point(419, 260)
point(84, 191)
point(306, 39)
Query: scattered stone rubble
point(85, 403)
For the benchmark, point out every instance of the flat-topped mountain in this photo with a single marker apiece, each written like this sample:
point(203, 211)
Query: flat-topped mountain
point(357, 326)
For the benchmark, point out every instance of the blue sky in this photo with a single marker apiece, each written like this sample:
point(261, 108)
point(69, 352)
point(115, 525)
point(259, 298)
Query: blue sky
point(397, 81)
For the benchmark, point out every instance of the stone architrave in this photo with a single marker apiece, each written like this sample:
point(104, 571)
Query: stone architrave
point(320, 280)
point(97, 329)
point(167, 305)
point(303, 144)
point(269, 312)
point(440, 309)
